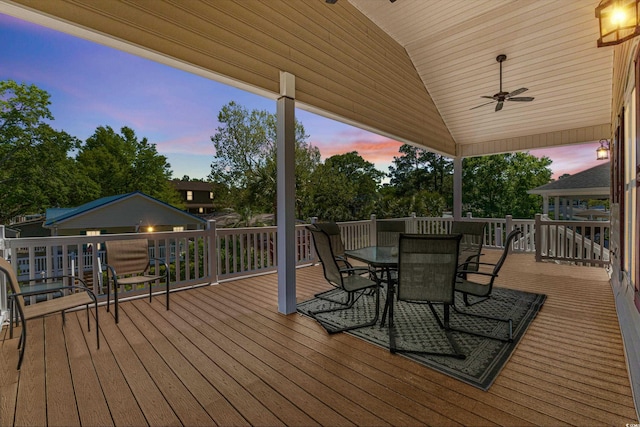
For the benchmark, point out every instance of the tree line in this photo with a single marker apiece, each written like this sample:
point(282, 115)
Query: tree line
point(42, 168)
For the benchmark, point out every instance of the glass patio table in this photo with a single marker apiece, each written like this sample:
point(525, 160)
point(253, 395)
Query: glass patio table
point(380, 257)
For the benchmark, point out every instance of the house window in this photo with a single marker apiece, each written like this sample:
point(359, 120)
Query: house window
point(189, 195)
point(179, 228)
point(211, 195)
point(200, 210)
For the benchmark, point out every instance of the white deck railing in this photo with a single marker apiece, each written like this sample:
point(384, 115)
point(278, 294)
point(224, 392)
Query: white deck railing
point(577, 242)
point(207, 256)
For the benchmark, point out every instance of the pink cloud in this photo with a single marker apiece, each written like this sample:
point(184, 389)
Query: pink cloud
point(570, 159)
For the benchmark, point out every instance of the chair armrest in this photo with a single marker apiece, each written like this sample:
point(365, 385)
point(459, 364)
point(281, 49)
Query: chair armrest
point(63, 276)
point(353, 270)
point(161, 261)
point(481, 273)
point(53, 290)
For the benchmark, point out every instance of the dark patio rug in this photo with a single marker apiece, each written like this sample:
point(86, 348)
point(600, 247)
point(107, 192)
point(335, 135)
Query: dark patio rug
point(417, 329)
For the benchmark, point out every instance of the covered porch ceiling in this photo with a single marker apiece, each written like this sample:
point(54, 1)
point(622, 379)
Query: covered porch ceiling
point(411, 70)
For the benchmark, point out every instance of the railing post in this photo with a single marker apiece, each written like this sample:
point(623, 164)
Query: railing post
point(537, 232)
point(312, 248)
point(413, 223)
point(212, 253)
point(372, 231)
point(469, 215)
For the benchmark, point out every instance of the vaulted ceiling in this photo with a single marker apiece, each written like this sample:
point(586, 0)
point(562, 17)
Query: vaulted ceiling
point(410, 69)
point(551, 50)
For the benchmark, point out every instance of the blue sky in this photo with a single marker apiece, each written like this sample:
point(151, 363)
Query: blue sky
point(93, 85)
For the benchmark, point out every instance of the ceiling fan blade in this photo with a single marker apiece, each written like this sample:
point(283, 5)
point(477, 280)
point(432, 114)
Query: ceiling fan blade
point(488, 97)
point(517, 92)
point(481, 105)
point(522, 99)
point(499, 106)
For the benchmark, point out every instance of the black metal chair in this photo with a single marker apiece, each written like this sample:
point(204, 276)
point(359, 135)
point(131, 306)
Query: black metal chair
point(70, 297)
point(348, 280)
point(471, 243)
point(427, 266)
point(388, 232)
point(128, 264)
point(482, 290)
point(337, 245)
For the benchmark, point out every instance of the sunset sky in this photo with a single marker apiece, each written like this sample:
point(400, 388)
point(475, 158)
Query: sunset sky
point(92, 85)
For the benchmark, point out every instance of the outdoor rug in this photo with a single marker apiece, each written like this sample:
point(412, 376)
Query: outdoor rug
point(417, 329)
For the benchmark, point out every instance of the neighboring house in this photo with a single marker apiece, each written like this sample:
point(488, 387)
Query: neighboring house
point(196, 195)
point(593, 183)
point(124, 213)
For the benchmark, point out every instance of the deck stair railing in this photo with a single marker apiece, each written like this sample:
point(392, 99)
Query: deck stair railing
point(577, 242)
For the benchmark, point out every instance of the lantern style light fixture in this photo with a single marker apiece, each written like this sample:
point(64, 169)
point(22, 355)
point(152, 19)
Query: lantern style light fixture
point(618, 21)
point(602, 152)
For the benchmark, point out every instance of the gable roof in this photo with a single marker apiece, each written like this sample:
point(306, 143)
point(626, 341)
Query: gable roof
point(594, 181)
point(58, 216)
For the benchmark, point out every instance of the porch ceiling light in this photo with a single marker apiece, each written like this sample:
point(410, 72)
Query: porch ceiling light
point(618, 21)
point(602, 152)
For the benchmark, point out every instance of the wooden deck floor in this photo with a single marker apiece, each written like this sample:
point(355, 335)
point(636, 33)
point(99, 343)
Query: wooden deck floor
point(224, 356)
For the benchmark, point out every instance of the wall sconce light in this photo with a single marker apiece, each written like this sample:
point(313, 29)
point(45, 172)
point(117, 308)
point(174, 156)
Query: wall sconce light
point(618, 21)
point(602, 152)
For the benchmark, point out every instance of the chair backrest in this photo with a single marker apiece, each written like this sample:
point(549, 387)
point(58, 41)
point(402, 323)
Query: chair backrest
point(472, 240)
point(333, 231)
point(507, 248)
point(322, 243)
point(388, 232)
point(6, 268)
point(427, 267)
point(128, 256)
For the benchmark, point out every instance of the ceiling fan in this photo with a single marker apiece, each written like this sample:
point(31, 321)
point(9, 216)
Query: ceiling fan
point(501, 96)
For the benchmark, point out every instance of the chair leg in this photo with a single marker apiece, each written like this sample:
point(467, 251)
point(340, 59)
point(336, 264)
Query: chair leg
point(482, 316)
point(321, 296)
point(444, 324)
point(167, 291)
point(115, 299)
point(352, 327)
point(465, 297)
point(22, 343)
point(97, 326)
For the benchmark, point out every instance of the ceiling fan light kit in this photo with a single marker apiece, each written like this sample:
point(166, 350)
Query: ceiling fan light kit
point(502, 96)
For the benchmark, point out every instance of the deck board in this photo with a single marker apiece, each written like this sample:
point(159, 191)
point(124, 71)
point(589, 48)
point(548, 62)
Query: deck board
point(223, 355)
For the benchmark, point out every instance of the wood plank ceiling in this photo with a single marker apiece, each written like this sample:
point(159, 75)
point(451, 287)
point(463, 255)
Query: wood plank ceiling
point(411, 70)
point(551, 50)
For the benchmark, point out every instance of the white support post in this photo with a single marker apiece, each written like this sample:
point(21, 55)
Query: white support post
point(457, 188)
point(545, 204)
point(286, 196)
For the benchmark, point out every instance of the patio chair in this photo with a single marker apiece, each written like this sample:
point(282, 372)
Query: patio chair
point(482, 289)
point(69, 297)
point(128, 264)
point(388, 232)
point(426, 275)
point(348, 280)
point(333, 231)
point(471, 243)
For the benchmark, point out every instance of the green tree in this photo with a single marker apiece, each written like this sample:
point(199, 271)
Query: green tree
point(496, 186)
point(245, 160)
point(36, 171)
point(120, 163)
point(345, 188)
point(419, 169)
